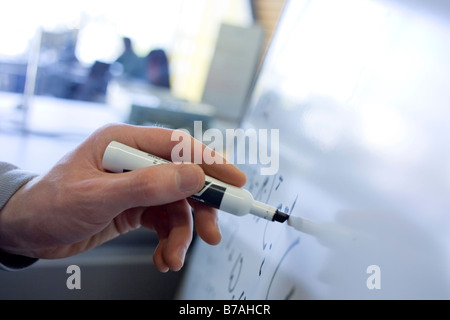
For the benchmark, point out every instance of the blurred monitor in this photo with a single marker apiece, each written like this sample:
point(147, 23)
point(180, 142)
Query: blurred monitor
point(233, 69)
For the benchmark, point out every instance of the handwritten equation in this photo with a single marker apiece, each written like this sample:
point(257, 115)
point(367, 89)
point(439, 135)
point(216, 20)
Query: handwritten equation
point(255, 273)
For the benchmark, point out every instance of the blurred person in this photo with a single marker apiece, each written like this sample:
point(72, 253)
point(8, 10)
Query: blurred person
point(157, 68)
point(77, 205)
point(96, 84)
point(133, 65)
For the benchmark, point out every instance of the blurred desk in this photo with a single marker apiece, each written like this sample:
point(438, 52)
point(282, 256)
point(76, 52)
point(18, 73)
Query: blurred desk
point(147, 105)
point(120, 269)
point(12, 75)
point(37, 139)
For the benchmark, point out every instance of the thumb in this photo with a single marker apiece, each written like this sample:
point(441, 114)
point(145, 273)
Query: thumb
point(154, 186)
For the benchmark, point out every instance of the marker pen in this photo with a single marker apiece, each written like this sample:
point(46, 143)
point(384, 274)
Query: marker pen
point(122, 158)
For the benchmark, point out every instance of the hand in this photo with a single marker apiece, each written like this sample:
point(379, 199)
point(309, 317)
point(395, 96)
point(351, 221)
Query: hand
point(77, 205)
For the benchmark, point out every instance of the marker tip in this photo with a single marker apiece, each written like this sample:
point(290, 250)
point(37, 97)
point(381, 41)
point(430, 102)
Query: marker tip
point(296, 222)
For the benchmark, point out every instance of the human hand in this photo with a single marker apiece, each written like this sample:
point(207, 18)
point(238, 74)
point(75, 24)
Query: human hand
point(77, 205)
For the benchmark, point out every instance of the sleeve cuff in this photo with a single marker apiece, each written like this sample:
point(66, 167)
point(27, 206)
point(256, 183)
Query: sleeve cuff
point(12, 179)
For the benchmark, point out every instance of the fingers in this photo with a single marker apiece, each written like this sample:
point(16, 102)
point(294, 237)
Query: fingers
point(206, 223)
point(173, 225)
point(171, 250)
point(166, 185)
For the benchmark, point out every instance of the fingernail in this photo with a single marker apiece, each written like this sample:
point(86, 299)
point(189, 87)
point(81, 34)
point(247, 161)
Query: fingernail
point(181, 254)
point(218, 232)
point(188, 178)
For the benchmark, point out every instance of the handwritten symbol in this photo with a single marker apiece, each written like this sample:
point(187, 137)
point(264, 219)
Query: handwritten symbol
point(261, 189)
point(264, 241)
point(280, 178)
point(293, 244)
point(235, 273)
point(271, 189)
point(290, 293)
point(293, 205)
point(260, 268)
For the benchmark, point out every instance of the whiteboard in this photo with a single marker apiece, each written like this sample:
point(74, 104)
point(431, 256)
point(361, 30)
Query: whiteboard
point(359, 92)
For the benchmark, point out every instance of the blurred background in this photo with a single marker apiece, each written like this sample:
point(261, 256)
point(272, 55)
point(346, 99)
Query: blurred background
point(69, 67)
point(357, 88)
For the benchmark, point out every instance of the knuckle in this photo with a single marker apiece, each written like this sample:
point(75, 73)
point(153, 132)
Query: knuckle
point(155, 185)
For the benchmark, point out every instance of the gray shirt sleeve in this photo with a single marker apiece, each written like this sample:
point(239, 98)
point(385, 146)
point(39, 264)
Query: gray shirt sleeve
point(11, 180)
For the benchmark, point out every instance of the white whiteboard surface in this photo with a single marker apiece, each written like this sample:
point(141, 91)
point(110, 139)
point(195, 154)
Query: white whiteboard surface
point(359, 91)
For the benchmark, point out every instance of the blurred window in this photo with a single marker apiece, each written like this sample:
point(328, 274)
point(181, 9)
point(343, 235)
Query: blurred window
point(185, 29)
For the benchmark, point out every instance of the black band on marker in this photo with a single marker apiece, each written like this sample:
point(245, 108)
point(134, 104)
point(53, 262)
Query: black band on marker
point(211, 194)
point(280, 216)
